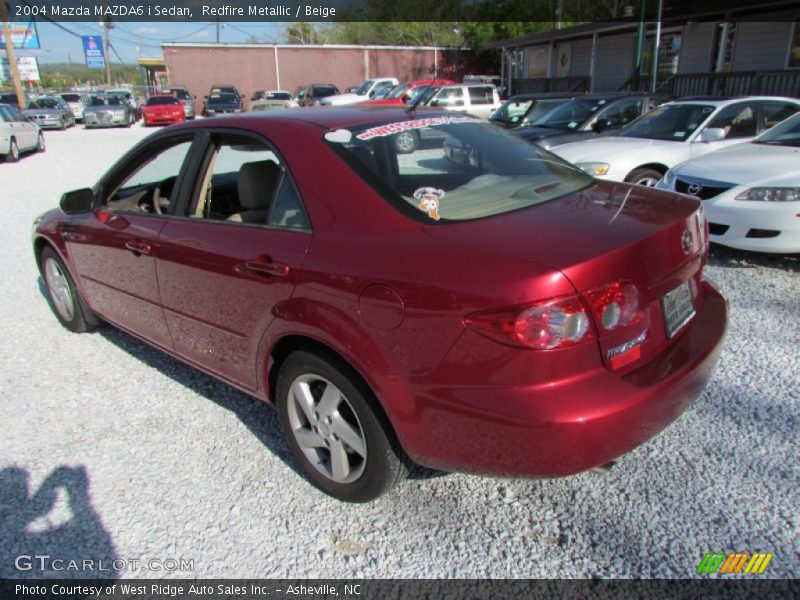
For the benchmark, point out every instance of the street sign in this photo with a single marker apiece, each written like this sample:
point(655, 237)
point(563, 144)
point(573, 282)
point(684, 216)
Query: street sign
point(93, 51)
point(24, 36)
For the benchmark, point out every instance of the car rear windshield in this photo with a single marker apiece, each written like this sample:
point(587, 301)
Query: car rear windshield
point(573, 114)
point(672, 122)
point(454, 168)
point(159, 100)
point(278, 96)
point(180, 93)
point(71, 97)
point(224, 99)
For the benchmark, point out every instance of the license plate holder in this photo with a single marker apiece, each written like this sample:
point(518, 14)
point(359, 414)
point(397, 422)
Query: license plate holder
point(678, 308)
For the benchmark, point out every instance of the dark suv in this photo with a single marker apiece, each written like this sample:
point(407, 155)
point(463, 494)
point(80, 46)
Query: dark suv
point(309, 95)
point(588, 116)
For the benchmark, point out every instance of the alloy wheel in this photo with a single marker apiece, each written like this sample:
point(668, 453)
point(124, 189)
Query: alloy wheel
point(59, 290)
point(326, 428)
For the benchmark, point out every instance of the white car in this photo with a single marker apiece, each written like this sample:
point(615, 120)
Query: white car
point(362, 93)
point(478, 100)
point(76, 102)
point(750, 192)
point(673, 133)
point(18, 134)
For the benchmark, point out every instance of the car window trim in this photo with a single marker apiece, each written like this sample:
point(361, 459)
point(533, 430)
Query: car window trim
point(202, 155)
point(136, 154)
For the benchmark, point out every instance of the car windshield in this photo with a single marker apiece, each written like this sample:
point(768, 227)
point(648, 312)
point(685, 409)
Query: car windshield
point(365, 87)
point(669, 122)
point(45, 103)
point(454, 168)
point(398, 91)
point(321, 91)
point(71, 97)
point(182, 94)
point(107, 100)
point(278, 96)
point(160, 100)
point(572, 114)
point(223, 99)
point(786, 133)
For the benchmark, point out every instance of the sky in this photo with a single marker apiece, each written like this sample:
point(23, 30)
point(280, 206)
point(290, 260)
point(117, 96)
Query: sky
point(142, 39)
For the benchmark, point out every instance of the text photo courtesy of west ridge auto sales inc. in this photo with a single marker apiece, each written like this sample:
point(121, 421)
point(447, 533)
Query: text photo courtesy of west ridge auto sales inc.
point(354, 303)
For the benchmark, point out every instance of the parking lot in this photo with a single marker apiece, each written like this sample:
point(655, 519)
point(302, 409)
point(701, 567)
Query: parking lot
point(114, 450)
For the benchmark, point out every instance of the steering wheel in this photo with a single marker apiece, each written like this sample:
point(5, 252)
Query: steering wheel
point(167, 185)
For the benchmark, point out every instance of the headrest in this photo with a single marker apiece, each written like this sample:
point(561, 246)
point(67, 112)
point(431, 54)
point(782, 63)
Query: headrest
point(256, 183)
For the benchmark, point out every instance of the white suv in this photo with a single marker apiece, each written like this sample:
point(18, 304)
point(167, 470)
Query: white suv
point(479, 100)
point(642, 151)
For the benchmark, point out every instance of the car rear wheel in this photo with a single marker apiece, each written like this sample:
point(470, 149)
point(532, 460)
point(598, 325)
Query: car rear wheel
point(13, 151)
point(645, 177)
point(334, 429)
point(40, 143)
point(65, 299)
point(405, 143)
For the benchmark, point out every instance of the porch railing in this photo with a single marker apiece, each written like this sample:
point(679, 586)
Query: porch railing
point(546, 85)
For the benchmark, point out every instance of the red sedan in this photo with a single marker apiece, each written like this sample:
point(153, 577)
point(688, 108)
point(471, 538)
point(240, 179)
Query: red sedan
point(509, 315)
point(163, 109)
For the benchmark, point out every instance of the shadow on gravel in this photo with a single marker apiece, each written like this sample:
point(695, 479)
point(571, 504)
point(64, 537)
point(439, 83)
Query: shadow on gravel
point(728, 258)
point(260, 418)
point(54, 523)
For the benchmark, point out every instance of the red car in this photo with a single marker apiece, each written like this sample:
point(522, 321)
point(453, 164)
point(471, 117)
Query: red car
point(511, 315)
point(396, 97)
point(163, 109)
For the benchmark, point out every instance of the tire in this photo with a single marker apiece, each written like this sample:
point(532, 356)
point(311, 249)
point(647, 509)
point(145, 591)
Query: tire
point(405, 142)
point(64, 298)
point(645, 177)
point(40, 147)
point(347, 425)
point(13, 151)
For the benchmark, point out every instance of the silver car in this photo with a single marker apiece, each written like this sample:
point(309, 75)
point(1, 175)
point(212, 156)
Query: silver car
point(76, 102)
point(50, 112)
point(187, 99)
point(108, 111)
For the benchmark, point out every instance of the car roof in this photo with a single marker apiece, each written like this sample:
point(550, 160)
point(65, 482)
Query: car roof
point(547, 96)
point(725, 101)
point(333, 117)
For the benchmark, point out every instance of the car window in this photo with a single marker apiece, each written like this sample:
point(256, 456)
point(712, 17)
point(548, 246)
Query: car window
point(449, 97)
point(775, 112)
point(738, 121)
point(4, 116)
point(481, 95)
point(669, 122)
point(245, 182)
point(512, 111)
point(622, 112)
point(454, 168)
point(149, 185)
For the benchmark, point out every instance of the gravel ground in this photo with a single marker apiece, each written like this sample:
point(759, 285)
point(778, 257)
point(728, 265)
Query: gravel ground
point(111, 449)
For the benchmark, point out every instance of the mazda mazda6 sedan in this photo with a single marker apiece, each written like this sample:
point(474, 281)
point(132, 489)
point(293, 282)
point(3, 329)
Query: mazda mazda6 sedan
point(510, 316)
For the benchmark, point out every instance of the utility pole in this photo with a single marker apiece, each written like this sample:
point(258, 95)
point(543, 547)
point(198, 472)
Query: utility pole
point(12, 58)
point(106, 54)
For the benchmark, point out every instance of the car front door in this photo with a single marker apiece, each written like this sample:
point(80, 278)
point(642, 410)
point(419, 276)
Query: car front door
point(114, 247)
point(228, 265)
point(25, 132)
point(739, 123)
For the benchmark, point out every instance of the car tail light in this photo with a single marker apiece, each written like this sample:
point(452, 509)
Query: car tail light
point(614, 304)
point(545, 325)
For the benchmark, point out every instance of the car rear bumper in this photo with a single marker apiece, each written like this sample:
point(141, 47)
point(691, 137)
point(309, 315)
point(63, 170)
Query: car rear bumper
point(562, 427)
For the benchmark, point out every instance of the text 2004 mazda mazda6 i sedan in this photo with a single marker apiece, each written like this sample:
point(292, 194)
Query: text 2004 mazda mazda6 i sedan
point(510, 315)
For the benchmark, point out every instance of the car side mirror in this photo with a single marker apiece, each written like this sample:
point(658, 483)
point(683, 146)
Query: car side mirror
point(712, 134)
point(599, 125)
point(77, 201)
point(405, 98)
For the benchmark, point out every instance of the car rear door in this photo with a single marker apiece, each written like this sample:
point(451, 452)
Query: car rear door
point(228, 264)
point(114, 248)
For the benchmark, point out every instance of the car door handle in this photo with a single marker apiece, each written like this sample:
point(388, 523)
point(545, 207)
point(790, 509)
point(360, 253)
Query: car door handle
point(139, 247)
point(265, 266)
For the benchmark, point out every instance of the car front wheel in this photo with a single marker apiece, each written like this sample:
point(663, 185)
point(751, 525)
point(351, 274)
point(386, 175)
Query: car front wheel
point(65, 299)
point(40, 143)
point(335, 430)
point(405, 143)
point(645, 177)
point(13, 151)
